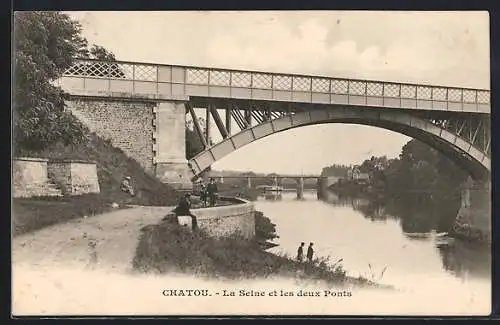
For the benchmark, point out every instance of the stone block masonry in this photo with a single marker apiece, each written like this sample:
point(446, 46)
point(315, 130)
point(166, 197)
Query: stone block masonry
point(170, 145)
point(30, 178)
point(74, 177)
point(474, 216)
point(152, 133)
point(226, 220)
point(128, 124)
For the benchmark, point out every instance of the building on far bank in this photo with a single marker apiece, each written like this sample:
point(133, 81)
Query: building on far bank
point(356, 175)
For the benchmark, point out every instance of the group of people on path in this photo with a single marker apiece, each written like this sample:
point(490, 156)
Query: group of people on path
point(300, 252)
point(209, 192)
point(183, 208)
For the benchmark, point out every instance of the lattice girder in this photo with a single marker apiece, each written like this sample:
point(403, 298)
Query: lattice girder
point(475, 130)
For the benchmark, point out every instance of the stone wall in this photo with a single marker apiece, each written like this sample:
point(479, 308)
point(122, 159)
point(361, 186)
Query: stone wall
point(223, 221)
point(74, 177)
point(474, 216)
point(30, 178)
point(128, 124)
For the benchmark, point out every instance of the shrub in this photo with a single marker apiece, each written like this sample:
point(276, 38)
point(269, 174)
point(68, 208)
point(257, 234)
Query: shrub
point(264, 228)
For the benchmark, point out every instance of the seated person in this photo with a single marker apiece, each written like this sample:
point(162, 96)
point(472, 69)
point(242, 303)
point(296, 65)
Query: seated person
point(126, 186)
point(184, 209)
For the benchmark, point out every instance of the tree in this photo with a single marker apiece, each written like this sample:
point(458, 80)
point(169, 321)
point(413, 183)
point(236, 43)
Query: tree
point(193, 142)
point(46, 44)
point(265, 229)
point(100, 53)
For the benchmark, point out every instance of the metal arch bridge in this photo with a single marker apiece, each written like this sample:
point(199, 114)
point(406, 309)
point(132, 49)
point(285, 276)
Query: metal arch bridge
point(455, 121)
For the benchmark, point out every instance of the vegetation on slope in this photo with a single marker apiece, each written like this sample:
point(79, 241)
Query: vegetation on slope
point(112, 165)
point(46, 44)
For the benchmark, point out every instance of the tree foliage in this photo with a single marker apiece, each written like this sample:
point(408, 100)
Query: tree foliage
point(335, 170)
point(99, 53)
point(193, 143)
point(264, 228)
point(46, 44)
point(419, 168)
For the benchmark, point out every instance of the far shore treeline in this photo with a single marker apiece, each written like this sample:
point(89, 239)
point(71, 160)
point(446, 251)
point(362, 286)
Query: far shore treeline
point(421, 186)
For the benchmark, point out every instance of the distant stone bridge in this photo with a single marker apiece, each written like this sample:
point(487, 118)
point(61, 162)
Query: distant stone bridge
point(298, 178)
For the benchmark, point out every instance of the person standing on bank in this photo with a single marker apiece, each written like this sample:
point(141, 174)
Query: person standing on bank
point(203, 194)
point(212, 191)
point(184, 209)
point(310, 252)
point(300, 252)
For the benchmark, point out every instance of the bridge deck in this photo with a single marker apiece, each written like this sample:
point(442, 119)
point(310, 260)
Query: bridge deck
point(166, 82)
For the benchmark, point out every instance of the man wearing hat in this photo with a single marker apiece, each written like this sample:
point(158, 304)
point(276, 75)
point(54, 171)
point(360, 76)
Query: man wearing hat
point(184, 209)
point(212, 191)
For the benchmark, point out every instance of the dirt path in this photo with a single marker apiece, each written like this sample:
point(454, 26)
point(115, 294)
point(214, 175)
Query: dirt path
point(115, 235)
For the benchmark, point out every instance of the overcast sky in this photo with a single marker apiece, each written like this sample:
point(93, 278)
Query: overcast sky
point(450, 49)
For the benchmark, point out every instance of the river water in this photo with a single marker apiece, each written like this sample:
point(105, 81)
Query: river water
point(428, 269)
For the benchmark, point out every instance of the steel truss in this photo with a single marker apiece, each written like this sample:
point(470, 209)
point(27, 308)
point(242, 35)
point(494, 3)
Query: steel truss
point(472, 128)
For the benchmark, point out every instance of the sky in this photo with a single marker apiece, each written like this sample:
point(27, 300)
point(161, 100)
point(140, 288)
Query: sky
point(439, 48)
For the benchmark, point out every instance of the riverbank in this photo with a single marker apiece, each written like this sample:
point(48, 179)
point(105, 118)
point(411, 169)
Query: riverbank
point(354, 189)
point(169, 248)
point(136, 239)
point(56, 271)
point(112, 165)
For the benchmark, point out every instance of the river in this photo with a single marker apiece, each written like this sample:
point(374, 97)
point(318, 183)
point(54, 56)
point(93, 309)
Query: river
point(430, 265)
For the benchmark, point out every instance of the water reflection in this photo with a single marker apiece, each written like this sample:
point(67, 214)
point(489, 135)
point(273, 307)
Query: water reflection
point(271, 196)
point(465, 260)
point(424, 220)
point(417, 214)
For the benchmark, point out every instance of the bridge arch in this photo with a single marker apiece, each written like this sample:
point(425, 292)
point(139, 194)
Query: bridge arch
point(464, 153)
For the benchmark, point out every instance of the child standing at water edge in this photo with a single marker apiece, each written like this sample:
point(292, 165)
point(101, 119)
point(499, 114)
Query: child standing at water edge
point(300, 252)
point(310, 252)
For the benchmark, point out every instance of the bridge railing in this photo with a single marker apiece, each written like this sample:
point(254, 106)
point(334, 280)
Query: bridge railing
point(186, 75)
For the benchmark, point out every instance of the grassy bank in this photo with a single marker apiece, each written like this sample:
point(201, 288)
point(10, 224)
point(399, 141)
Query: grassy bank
point(38, 212)
point(112, 165)
point(168, 247)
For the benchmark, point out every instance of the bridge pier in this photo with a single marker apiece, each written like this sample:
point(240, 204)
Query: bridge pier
point(249, 182)
point(171, 164)
point(474, 216)
point(300, 188)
